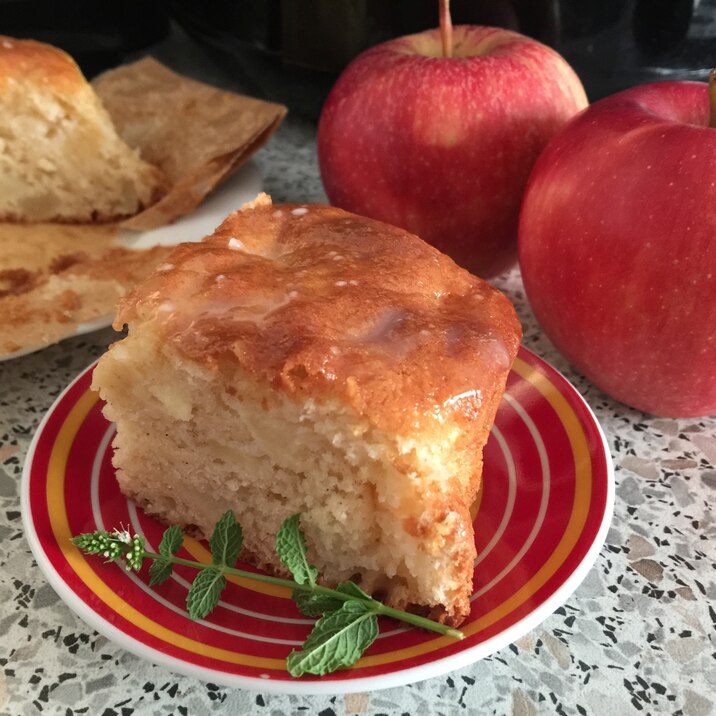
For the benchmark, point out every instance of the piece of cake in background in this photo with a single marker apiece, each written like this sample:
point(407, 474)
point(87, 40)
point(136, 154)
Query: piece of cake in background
point(307, 360)
point(60, 156)
point(57, 278)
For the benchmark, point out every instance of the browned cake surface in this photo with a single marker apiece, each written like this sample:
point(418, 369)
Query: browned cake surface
point(43, 304)
point(38, 63)
point(318, 301)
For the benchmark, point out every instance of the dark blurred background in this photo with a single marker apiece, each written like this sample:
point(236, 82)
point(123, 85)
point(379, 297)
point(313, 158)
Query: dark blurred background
point(612, 44)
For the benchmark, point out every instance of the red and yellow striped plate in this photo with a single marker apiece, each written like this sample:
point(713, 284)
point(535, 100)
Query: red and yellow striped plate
point(541, 520)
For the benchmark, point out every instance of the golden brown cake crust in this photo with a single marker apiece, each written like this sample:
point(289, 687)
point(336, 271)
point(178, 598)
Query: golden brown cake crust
point(39, 63)
point(321, 302)
point(41, 306)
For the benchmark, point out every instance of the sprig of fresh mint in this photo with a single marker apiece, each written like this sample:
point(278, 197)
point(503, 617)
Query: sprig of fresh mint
point(348, 622)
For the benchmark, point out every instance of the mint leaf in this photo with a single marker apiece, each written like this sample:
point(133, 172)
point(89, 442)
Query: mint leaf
point(203, 595)
point(352, 589)
point(226, 540)
point(338, 640)
point(314, 605)
point(159, 571)
point(291, 549)
point(171, 541)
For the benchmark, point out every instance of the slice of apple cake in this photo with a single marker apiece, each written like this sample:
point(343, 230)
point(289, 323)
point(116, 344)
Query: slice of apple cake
point(306, 360)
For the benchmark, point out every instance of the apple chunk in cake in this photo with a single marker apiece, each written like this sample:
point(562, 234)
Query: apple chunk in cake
point(303, 359)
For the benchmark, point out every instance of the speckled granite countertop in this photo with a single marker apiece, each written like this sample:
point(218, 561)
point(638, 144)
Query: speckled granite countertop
point(638, 636)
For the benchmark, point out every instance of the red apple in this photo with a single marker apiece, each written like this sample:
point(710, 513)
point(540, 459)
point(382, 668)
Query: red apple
point(443, 146)
point(617, 245)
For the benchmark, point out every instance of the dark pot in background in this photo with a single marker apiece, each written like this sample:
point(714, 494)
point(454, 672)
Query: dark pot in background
point(98, 35)
point(612, 44)
point(291, 50)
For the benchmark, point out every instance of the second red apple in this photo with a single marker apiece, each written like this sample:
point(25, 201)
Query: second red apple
point(443, 146)
point(618, 246)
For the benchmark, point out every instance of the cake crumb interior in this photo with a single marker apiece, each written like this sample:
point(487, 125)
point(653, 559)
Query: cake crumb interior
point(374, 507)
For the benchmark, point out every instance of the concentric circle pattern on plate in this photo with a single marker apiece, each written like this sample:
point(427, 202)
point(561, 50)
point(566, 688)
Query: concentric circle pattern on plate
point(540, 520)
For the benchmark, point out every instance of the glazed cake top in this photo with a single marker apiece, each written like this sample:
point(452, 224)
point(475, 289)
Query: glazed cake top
point(321, 303)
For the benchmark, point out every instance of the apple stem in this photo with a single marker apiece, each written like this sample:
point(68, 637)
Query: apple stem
point(712, 98)
point(446, 28)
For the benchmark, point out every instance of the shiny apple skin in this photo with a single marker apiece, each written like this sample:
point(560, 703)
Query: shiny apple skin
point(617, 246)
point(443, 146)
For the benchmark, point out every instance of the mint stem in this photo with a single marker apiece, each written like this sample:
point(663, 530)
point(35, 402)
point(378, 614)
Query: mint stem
point(416, 620)
point(375, 605)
